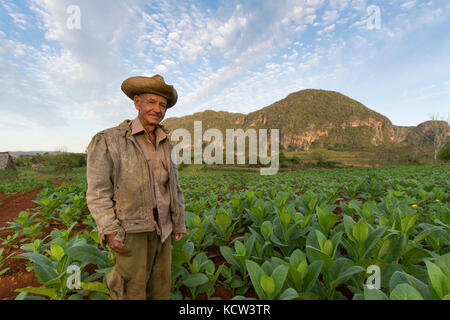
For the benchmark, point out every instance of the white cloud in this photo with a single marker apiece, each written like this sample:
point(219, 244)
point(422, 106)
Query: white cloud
point(408, 4)
point(327, 29)
point(20, 19)
point(162, 69)
point(330, 16)
point(231, 57)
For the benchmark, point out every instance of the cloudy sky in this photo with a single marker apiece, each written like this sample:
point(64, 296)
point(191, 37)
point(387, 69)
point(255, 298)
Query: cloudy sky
point(60, 73)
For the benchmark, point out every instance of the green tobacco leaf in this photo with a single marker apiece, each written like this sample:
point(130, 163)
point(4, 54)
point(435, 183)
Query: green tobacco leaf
point(195, 280)
point(56, 251)
point(408, 222)
point(268, 285)
point(296, 257)
point(328, 248)
point(336, 240)
point(360, 231)
point(437, 278)
point(343, 269)
point(285, 218)
point(372, 240)
point(312, 274)
point(404, 291)
point(398, 243)
point(288, 294)
point(307, 296)
point(399, 277)
point(315, 254)
point(351, 248)
point(249, 245)
point(43, 266)
point(223, 220)
point(419, 238)
point(179, 257)
point(349, 224)
point(279, 275)
point(48, 292)
point(240, 248)
point(325, 219)
point(227, 253)
point(320, 239)
point(255, 272)
point(302, 268)
point(374, 294)
point(87, 254)
point(98, 296)
point(267, 230)
point(313, 202)
point(443, 262)
point(95, 286)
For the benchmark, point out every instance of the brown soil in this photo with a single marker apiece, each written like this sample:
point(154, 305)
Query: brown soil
point(342, 288)
point(11, 205)
point(20, 279)
point(17, 275)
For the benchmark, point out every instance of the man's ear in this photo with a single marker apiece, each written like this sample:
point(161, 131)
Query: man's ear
point(136, 102)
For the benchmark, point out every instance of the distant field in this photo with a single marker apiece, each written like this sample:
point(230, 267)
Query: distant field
point(358, 158)
point(43, 173)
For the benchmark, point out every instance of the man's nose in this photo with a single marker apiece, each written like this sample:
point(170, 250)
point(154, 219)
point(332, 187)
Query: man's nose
point(158, 108)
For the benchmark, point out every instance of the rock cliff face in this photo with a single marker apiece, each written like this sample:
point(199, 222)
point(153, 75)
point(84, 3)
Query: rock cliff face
point(311, 118)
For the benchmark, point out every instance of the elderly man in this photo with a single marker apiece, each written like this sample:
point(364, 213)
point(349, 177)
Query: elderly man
point(134, 195)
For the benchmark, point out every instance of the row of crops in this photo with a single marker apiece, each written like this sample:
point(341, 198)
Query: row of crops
point(294, 235)
point(10, 187)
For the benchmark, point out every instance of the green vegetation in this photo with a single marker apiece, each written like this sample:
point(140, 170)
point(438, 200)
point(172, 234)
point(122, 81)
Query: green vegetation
point(62, 162)
point(21, 185)
point(444, 154)
point(294, 235)
point(8, 174)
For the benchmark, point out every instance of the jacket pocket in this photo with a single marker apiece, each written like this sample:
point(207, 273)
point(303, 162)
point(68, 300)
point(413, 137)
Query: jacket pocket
point(116, 285)
point(129, 199)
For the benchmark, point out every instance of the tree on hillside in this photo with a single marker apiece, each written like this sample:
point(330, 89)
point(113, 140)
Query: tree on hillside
point(321, 155)
point(444, 154)
point(439, 134)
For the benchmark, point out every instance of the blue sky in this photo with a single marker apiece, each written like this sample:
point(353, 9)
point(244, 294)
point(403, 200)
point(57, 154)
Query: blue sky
point(59, 85)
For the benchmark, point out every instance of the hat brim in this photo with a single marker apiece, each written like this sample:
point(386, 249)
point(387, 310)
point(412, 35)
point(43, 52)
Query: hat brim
point(138, 85)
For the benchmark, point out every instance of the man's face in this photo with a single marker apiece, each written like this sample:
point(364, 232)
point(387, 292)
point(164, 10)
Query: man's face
point(152, 108)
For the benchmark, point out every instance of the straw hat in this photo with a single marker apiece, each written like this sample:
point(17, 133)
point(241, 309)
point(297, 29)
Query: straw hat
point(156, 85)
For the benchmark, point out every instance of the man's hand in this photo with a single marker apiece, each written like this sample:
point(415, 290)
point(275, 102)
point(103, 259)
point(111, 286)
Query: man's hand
point(114, 244)
point(177, 236)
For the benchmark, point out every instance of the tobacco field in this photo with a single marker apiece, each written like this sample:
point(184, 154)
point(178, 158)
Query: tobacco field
point(315, 234)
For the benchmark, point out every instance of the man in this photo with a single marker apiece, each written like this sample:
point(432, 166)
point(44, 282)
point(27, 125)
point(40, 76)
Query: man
point(134, 195)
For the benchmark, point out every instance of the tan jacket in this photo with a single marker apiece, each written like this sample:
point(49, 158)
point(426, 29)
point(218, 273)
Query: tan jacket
point(118, 194)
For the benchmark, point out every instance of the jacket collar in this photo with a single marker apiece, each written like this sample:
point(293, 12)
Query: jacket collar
point(125, 128)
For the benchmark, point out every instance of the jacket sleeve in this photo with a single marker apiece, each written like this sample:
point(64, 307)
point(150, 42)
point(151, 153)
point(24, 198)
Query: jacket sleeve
point(179, 225)
point(100, 191)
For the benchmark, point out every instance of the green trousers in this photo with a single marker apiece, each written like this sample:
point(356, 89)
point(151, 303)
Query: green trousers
point(142, 270)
